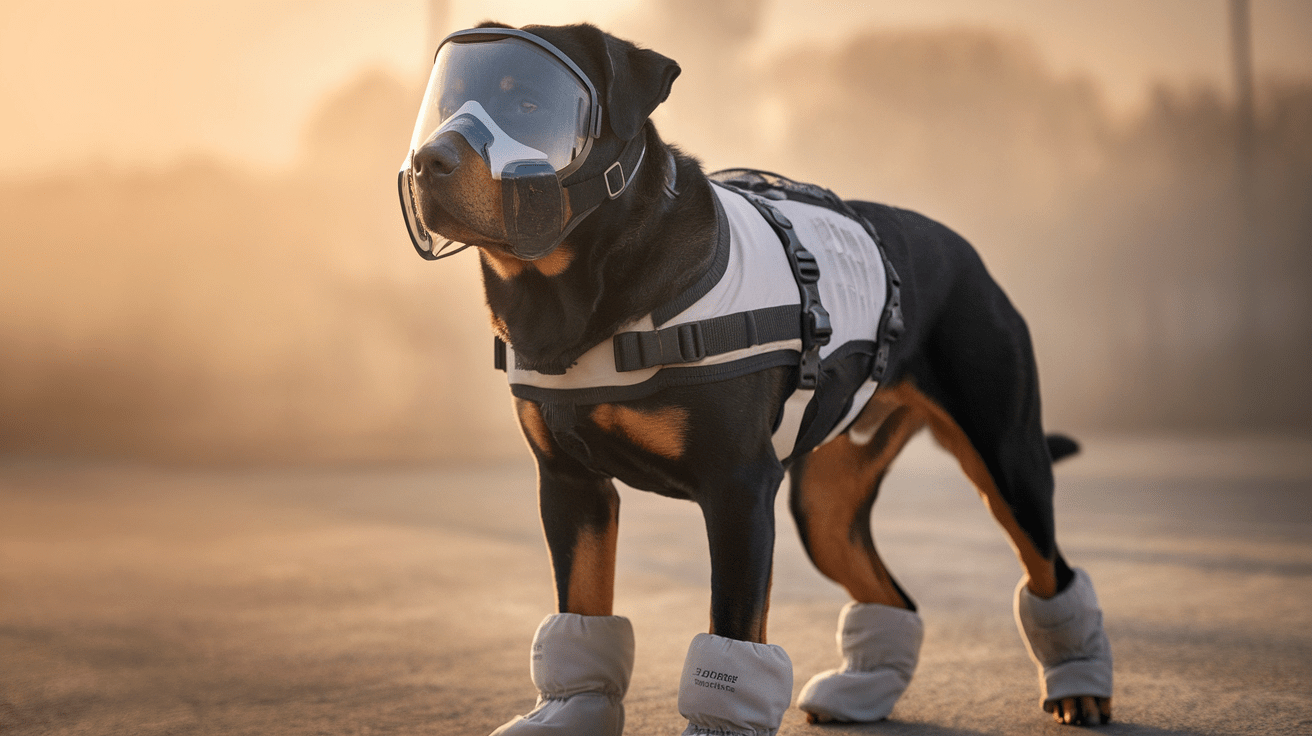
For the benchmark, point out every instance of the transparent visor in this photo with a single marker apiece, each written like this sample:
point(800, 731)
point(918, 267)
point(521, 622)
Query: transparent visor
point(531, 96)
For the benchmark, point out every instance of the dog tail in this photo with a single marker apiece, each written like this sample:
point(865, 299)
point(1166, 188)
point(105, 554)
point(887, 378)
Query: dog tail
point(1061, 447)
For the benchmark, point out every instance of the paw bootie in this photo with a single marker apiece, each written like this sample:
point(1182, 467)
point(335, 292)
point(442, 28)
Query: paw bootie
point(734, 688)
point(1066, 640)
point(880, 646)
point(581, 666)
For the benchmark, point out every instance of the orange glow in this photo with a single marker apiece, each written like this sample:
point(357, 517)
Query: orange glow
point(203, 258)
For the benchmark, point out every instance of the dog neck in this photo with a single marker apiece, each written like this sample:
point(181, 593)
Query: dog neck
point(632, 255)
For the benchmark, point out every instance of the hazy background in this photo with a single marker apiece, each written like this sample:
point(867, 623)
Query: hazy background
point(202, 258)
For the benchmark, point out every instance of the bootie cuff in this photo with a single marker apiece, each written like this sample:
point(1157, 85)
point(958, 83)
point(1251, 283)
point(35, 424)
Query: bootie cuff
point(1065, 638)
point(734, 688)
point(581, 666)
point(880, 646)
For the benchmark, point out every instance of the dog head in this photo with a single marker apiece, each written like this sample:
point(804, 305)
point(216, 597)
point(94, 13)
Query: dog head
point(525, 132)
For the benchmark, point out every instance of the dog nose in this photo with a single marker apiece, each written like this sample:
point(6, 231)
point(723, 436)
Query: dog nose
point(439, 157)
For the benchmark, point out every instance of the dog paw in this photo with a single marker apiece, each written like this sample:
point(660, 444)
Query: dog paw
point(1084, 710)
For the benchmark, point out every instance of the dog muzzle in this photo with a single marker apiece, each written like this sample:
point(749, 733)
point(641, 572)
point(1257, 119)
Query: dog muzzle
point(532, 116)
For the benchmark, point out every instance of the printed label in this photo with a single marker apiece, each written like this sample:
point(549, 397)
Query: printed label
point(711, 675)
point(714, 680)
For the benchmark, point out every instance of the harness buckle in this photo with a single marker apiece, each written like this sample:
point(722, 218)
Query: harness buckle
point(816, 328)
point(808, 376)
point(685, 341)
point(498, 354)
point(807, 268)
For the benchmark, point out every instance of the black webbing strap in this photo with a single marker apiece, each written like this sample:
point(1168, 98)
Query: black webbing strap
point(891, 325)
point(498, 353)
point(692, 341)
point(815, 328)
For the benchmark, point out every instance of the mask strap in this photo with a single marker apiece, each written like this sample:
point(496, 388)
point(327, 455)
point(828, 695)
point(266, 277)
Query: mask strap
point(586, 195)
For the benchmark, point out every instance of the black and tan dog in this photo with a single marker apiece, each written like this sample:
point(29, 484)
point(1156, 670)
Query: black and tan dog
point(962, 366)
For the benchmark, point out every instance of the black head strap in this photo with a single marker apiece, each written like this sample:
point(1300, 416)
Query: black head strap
point(672, 175)
point(587, 195)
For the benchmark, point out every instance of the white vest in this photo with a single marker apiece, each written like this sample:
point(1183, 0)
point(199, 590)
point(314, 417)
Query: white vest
point(852, 288)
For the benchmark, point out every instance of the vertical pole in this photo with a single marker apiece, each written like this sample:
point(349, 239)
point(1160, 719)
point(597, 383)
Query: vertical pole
point(1241, 47)
point(1247, 257)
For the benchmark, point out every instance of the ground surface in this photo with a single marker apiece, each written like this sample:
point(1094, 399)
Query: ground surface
point(402, 601)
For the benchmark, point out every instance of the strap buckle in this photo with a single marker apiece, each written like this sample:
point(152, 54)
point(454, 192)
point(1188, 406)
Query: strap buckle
point(669, 346)
point(805, 267)
point(614, 171)
point(684, 341)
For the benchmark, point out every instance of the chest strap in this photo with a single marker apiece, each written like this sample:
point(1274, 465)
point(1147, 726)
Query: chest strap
point(693, 341)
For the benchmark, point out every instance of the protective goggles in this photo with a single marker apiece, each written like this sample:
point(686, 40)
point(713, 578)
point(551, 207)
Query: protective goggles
point(530, 98)
point(532, 115)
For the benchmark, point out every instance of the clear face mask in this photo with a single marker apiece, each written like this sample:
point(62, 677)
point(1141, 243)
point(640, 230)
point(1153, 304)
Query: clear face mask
point(520, 90)
point(527, 110)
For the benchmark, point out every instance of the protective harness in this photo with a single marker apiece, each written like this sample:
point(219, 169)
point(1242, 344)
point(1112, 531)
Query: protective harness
point(827, 302)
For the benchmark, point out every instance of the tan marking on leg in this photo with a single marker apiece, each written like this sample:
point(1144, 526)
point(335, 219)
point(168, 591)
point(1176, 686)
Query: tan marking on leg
point(840, 476)
point(871, 418)
point(533, 426)
point(1040, 570)
point(592, 574)
point(761, 623)
point(661, 432)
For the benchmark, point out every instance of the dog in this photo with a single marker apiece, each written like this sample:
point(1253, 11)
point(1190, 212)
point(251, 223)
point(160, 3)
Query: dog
point(534, 147)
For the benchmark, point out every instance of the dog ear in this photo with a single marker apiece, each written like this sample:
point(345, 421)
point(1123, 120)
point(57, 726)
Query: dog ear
point(637, 81)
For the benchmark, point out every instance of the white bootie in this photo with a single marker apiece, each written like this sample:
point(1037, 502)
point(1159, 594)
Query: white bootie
point(581, 666)
point(880, 646)
point(1066, 640)
point(734, 688)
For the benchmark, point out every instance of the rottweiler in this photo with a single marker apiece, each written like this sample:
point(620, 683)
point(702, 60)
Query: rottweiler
point(602, 248)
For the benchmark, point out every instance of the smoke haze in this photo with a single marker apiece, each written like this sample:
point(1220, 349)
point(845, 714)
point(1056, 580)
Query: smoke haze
point(203, 312)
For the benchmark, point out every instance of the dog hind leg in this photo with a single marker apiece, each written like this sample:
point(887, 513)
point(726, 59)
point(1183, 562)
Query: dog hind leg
point(981, 399)
point(879, 632)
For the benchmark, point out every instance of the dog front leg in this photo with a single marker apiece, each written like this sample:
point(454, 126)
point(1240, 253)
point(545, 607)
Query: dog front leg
point(734, 683)
point(582, 657)
point(580, 517)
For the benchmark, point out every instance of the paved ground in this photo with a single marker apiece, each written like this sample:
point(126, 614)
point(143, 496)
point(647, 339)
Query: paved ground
point(402, 601)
